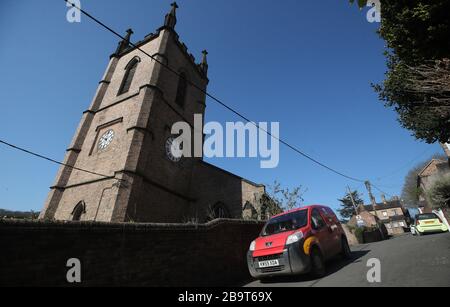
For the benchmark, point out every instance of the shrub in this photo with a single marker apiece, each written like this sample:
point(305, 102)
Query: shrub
point(359, 234)
point(439, 194)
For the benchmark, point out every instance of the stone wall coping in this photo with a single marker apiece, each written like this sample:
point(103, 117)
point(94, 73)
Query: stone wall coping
point(11, 224)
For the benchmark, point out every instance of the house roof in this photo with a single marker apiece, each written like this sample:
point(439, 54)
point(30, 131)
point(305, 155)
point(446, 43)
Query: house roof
point(382, 206)
point(433, 163)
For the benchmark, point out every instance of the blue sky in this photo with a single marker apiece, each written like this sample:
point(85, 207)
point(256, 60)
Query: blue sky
point(305, 64)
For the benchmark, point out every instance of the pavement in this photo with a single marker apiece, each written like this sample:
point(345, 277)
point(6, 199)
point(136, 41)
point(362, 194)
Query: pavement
point(406, 261)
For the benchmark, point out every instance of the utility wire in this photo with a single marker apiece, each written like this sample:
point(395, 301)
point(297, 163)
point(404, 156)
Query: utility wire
point(405, 165)
point(54, 161)
point(217, 100)
point(381, 191)
point(200, 89)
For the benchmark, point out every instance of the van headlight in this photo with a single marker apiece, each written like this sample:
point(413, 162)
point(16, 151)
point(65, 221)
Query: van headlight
point(295, 237)
point(252, 246)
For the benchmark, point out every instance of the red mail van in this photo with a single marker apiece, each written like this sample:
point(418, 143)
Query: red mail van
point(298, 241)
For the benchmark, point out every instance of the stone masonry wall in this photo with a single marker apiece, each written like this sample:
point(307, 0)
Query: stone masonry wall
point(213, 254)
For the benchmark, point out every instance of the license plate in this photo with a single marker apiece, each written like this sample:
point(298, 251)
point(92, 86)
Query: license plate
point(268, 263)
point(429, 222)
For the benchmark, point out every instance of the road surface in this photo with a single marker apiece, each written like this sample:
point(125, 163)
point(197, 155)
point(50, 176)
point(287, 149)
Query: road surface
point(406, 261)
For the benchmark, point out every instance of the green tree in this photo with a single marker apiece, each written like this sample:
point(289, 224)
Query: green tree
point(416, 84)
point(347, 209)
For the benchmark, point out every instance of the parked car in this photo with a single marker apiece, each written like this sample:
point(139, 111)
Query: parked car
point(298, 241)
point(428, 223)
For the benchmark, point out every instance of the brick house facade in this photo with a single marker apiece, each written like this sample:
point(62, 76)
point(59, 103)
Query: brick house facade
point(392, 214)
point(433, 171)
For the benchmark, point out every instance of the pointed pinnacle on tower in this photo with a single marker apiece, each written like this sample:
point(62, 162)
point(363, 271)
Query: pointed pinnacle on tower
point(204, 63)
point(125, 43)
point(171, 18)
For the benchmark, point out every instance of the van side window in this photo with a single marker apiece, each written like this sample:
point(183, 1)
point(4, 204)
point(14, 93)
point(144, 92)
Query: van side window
point(317, 221)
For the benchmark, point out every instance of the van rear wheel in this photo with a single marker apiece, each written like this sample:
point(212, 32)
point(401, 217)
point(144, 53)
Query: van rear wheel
point(317, 264)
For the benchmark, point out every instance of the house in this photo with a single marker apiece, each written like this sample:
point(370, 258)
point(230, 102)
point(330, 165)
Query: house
point(392, 214)
point(366, 219)
point(434, 170)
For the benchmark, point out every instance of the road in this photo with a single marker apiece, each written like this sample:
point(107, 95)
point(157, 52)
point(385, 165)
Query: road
point(406, 261)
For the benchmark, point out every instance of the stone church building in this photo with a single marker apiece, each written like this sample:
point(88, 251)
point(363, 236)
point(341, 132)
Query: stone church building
point(122, 168)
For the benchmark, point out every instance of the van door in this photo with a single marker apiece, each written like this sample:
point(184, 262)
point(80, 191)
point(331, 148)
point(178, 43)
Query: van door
point(321, 231)
point(334, 230)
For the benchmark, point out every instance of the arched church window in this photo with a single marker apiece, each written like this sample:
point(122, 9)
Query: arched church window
point(78, 211)
point(219, 211)
point(130, 70)
point(181, 90)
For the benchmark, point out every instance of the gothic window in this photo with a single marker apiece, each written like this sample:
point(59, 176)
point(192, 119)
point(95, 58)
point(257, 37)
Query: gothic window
point(78, 211)
point(249, 211)
point(219, 211)
point(130, 70)
point(181, 90)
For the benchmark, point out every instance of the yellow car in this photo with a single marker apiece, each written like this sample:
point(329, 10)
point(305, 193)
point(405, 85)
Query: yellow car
point(429, 223)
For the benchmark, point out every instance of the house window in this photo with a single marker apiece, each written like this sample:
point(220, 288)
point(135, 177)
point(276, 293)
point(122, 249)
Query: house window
point(78, 211)
point(402, 224)
point(181, 90)
point(130, 70)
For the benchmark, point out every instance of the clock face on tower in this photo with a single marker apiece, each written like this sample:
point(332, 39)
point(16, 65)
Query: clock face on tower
point(174, 149)
point(105, 140)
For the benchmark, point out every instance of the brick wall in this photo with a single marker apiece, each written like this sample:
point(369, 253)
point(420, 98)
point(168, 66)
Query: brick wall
point(36, 252)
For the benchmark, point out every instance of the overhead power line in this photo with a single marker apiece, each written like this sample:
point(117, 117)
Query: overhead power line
point(381, 191)
point(405, 165)
point(54, 161)
point(292, 147)
point(217, 100)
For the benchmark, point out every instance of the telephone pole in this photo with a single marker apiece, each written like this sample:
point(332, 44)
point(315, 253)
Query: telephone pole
point(369, 190)
point(372, 198)
point(374, 203)
point(353, 200)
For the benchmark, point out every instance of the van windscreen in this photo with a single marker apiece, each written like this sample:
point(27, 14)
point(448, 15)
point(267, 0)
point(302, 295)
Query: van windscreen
point(287, 222)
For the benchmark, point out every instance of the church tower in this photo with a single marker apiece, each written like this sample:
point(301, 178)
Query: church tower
point(122, 138)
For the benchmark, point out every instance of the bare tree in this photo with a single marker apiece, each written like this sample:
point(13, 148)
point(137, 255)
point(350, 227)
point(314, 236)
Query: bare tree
point(430, 83)
point(285, 198)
